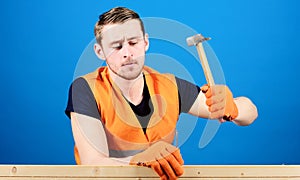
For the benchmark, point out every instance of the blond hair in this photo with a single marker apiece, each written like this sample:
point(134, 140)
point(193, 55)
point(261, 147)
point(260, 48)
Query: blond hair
point(114, 16)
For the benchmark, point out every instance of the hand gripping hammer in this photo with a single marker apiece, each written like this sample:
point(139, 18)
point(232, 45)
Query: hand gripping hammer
point(197, 40)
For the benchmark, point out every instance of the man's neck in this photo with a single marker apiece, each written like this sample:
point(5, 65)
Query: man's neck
point(132, 90)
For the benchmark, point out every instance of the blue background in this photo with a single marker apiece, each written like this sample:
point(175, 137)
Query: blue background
point(256, 42)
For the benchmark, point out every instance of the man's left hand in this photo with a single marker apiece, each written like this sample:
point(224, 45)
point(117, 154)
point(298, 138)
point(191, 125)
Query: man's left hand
point(220, 102)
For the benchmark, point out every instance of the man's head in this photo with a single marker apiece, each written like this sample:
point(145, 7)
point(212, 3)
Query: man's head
point(121, 42)
point(116, 15)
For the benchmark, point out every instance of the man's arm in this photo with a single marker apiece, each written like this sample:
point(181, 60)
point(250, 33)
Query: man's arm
point(90, 139)
point(247, 111)
point(91, 142)
point(88, 131)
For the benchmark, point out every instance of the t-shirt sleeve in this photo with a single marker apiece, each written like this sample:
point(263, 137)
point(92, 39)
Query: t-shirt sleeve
point(188, 92)
point(81, 99)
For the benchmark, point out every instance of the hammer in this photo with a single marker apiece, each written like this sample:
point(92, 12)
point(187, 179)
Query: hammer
point(197, 40)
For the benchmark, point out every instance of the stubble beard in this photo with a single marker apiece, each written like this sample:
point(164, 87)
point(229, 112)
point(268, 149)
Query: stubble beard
point(128, 73)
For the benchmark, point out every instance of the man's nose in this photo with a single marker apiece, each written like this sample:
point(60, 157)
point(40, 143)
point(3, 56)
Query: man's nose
point(126, 51)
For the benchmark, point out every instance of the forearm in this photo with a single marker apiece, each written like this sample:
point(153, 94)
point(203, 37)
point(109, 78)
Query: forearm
point(91, 142)
point(247, 111)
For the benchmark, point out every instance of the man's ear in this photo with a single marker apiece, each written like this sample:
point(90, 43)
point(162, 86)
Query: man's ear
point(99, 51)
point(146, 41)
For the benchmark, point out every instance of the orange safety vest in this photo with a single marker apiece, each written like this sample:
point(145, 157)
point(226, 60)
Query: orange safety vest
point(125, 136)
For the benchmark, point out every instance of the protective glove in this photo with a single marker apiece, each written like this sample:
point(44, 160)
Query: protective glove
point(220, 101)
point(165, 159)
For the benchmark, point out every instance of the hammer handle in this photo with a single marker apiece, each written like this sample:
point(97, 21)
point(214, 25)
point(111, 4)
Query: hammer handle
point(207, 71)
point(205, 66)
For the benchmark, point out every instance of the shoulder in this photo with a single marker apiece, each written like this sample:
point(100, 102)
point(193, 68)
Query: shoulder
point(157, 75)
point(80, 83)
point(94, 75)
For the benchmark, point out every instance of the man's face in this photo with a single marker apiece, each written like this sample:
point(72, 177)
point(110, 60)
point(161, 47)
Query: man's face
point(124, 47)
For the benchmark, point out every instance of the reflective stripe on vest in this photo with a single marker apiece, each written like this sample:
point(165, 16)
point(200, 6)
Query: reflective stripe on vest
point(124, 133)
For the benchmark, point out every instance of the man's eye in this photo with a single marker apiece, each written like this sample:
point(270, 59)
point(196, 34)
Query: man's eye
point(132, 43)
point(117, 47)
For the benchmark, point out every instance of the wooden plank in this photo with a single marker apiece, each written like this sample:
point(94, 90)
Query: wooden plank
point(70, 172)
point(243, 171)
point(137, 178)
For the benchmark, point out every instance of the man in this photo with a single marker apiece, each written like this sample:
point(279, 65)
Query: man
point(126, 113)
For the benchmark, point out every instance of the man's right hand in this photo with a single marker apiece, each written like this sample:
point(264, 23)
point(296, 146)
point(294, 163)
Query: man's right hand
point(164, 158)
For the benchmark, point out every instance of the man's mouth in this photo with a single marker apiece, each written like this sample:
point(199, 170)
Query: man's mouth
point(129, 63)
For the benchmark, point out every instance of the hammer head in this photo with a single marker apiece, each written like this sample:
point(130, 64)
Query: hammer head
point(194, 40)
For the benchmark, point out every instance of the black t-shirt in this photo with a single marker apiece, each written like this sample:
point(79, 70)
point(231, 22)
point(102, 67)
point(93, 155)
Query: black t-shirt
point(81, 100)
